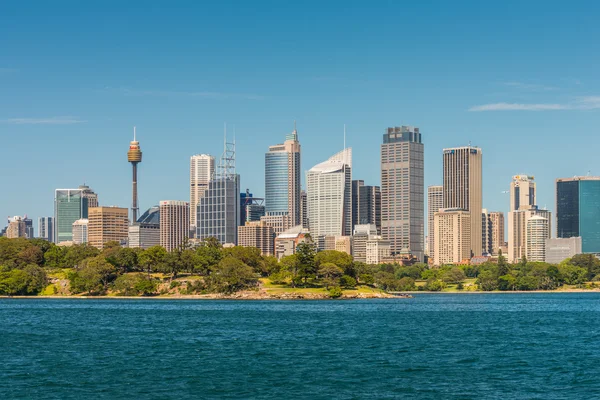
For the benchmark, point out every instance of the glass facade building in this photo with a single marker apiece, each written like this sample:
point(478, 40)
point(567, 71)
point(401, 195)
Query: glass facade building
point(69, 206)
point(219, 210)
point(578, 211)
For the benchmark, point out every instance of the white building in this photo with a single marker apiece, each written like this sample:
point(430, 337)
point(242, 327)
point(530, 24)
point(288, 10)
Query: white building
point(435, 201)
point(174, 223)
point(518, 234)
point(362, 233)
point(80, 231)
point(452, 236)
point(558, 250)
point(202, 168)
point(329, 196)
point(377, 249)
point(538, 231)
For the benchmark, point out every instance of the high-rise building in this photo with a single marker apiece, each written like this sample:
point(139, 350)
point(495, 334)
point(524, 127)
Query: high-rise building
point(89, 196)
point(518, 239)
point(107, 224)
point(145, 233)
point(452, 236)
point(402, 191)
point(435, 202)
point(282, 181)
point(69, 206)
point(80, 231)
point(46, 228)
point(496, 220)
point(16, 228)
point(303, 210)
point(522, 192)
point(134, 156)
point(251, 208)
point(28, 228)
point(463, 188)
point(257, 234)
point(360, 236)
point(343, 244)
point(538, 231)
point(202, 169)
point(559, 249)
point(578, 210)
point(366, 204)
point(174, 223)
point(219, 209)
point(329, 195)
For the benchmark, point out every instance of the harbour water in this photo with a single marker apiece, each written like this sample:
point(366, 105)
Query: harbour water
point(446, 346)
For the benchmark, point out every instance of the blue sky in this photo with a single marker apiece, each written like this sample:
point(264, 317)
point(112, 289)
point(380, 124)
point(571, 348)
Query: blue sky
point(519, 79)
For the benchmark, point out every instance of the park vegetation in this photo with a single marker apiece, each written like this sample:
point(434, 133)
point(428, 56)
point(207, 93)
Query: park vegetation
point(29, 266)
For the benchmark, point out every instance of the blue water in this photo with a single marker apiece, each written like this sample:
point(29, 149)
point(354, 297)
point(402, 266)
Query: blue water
point(470, 346)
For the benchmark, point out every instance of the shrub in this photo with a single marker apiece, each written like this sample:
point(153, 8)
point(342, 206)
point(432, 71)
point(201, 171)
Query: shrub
point(335, 292)
point(347, 281)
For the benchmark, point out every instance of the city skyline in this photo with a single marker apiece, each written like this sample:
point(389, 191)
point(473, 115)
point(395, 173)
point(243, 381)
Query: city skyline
point(69, 117)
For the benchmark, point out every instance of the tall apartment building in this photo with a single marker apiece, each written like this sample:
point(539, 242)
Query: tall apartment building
point(69, 206)
point(377, 250)
point(452, 236)
point(282, 182)
point(492, 231)
point(522, 192)
point(578, 210)
point(366, 204)
point(303, 209)
point(402, 191)
point(257, 234)
point(463, 188)
point(16, 228)
point(107, 224)
point(329, 195)
point(145, 233)
point(202, 169)
point(46, 228)
point(538, 231)
point(174, 223)
point(80, 231)
point(435, 202)
point(518, 239)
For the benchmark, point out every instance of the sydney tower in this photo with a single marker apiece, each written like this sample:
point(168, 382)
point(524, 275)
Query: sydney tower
point(134, 156)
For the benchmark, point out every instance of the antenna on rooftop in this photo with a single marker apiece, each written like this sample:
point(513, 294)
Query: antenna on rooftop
point(344, 136)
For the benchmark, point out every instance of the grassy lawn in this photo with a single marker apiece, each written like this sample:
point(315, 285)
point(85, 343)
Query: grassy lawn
point(272, 288)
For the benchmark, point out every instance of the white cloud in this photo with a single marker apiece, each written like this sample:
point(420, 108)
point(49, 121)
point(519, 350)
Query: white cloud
point(44, 121)
point(580, 103)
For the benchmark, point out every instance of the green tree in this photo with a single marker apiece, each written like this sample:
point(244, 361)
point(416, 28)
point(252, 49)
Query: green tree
point(406, 284)
point(37, 278)
point(587, 261)
point(232, 275)
point(434, 285)
point(55, 257)
point(124, 259)
point(306, 257)
point(487, 281)
point(502, 264)
point(335, 292)
point(454, 275)
point(291, 265)
point(527, 283)
point(31, 255)
point(74, 255)
point(153, 258)
point(507, 282)
point(341, 259)
point(14, 282)
point(346, 281)
point(330, 273)
point(134, 285)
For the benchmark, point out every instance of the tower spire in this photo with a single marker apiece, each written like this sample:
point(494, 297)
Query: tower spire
point(344, 136)
point(134, 134)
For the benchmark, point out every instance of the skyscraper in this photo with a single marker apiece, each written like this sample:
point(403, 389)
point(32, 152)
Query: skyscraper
point(46, 228)
point(107, 224)
point(496, 220)
point(282, 180)
point(251, 208)
point(462, 188)
point(522, 192)
point(202, 168)
point(89, 196)
point(452, 236)
point(578, 210)
point(366, 204)
point(303, 209)
point(518, 233)
point(69, 206)
point(257, 234)
point(174, 223)
point(402, 191)
point(329, 195)
point(134, 156)
point(435, 201)
point(16, 228)
point(219, 209)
